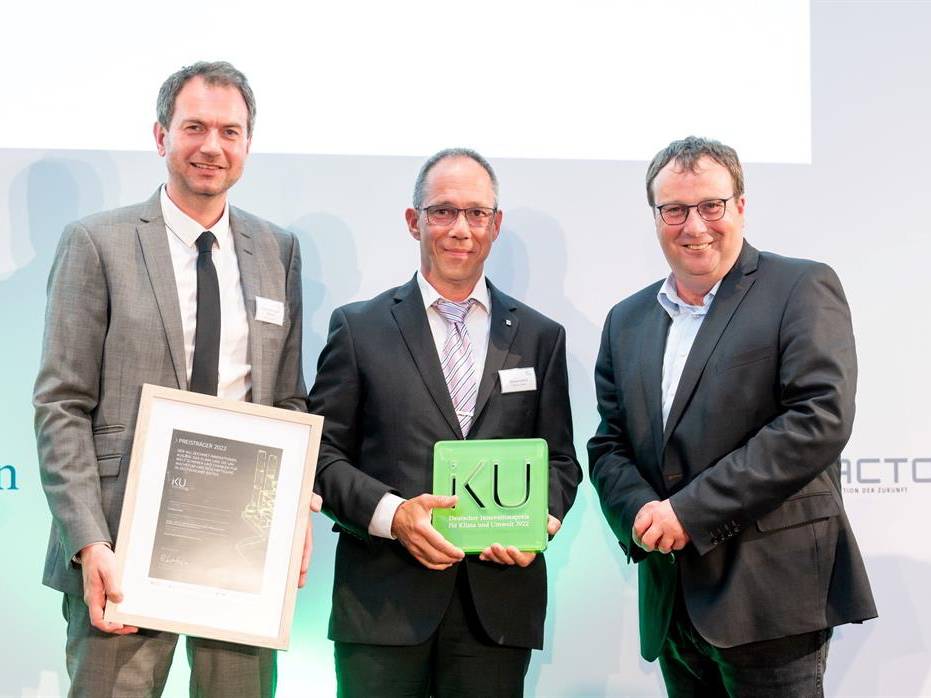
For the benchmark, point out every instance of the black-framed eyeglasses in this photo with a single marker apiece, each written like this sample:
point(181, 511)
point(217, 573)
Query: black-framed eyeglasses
point(476, 216)
point(710, 210)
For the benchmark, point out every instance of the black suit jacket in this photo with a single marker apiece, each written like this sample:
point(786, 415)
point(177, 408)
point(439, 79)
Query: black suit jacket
point(749, 456)
point(381, 388)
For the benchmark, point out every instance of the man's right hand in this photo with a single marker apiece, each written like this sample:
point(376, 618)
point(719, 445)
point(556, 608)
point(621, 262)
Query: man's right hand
point(411, 525)
point(656, 527)
point(98, 565)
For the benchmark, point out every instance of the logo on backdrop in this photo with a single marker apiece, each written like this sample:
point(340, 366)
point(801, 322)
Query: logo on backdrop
point(8, 478)
point(884, 475)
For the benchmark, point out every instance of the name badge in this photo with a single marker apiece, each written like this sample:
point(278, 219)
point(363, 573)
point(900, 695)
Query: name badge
point(268, 310)
point(517, 380)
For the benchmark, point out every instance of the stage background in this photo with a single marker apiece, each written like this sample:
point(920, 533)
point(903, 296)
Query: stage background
point(577, 236)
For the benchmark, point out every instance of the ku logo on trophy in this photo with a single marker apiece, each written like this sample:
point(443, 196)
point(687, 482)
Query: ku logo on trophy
point(495, 487)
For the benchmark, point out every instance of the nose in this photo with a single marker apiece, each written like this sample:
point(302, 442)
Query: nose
point(461, 229)
point(211, 143)
point(694, 224)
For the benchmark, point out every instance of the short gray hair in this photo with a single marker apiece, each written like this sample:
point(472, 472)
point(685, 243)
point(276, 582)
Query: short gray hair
point(421, 184)
point(688, 152)
point(214, 73)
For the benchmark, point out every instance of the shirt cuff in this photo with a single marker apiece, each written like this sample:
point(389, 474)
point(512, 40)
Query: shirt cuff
point(380, 525)
point(76, 558)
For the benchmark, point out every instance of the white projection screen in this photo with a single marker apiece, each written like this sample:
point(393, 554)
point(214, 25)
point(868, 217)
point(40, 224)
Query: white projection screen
point(602, 80)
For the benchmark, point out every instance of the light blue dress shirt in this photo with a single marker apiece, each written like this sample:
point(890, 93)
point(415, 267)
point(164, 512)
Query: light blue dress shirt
point(686, 321)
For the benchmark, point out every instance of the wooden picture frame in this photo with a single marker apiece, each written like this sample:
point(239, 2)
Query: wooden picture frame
point(214, 516)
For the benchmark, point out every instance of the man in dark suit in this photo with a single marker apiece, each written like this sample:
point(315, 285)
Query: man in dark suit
point(726, 394)
point(427, 361)
point(163, 292)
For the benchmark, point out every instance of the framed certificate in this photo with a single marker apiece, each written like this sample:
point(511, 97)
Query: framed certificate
point(214, 516)
point(503, 490)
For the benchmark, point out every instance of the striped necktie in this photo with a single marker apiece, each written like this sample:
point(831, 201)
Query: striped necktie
point(457, 362)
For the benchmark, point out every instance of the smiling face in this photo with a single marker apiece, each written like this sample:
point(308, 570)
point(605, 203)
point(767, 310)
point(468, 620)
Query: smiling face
point(699, 252)
point(205, 145)
point(452, 257)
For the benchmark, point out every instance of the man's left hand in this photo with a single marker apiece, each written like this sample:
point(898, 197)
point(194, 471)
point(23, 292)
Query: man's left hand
point(316, 504)
point(511, 555)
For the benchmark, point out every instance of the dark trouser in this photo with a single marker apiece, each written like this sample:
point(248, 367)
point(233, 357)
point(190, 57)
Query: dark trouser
point(458, 661)
point(787, 667)
point(136, 665)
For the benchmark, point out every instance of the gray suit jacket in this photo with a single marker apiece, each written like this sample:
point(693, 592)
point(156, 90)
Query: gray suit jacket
point(749, 456)
point(113, 323)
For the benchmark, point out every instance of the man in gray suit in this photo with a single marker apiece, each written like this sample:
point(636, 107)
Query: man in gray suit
point(182, 291)
point(726, 394)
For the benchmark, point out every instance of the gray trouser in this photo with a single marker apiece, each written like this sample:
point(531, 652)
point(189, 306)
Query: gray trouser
point(136, 665)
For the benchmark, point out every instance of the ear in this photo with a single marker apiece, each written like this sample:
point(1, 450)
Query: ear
point(496, 227)
point(741, 204)
point(159, 132)
point(412, 216)
point(248, 143)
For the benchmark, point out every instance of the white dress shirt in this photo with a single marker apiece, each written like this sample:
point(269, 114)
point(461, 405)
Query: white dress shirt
point(478, 326)
point(686, 321)
point(235, 374)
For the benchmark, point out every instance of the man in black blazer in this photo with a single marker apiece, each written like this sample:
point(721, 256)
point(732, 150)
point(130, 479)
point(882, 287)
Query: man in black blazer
point(726, 394)
point(412, 615)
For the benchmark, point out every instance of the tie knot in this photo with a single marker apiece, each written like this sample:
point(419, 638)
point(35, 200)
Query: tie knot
point(205, 242)
point(452, 311)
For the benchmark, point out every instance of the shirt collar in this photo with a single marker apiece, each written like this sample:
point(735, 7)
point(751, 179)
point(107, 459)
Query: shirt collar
point(187, 230)
point(668, 297)
point(430, 294)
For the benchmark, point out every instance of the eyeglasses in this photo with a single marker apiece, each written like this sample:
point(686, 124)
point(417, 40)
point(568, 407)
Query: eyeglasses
point(710, 210)
point(476, 216)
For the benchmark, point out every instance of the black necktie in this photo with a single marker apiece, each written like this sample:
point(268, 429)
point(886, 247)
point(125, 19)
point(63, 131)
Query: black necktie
point(207, 335)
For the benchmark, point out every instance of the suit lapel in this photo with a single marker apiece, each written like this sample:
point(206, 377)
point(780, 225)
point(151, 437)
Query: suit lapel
point(501, 335)
point(251, 282)
point(733, 288)
point(653, 341)
point(154, 243)
point(411, 317)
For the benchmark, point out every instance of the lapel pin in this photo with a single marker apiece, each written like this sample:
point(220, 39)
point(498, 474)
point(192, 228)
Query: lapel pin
point(507, 322)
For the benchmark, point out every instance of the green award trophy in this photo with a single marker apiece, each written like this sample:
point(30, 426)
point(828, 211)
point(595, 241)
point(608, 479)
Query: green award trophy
point(503, 490)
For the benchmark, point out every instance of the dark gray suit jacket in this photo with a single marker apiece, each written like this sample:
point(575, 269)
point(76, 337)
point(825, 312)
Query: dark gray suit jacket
point(749, 456)
point(113, 323)
point(380, 386)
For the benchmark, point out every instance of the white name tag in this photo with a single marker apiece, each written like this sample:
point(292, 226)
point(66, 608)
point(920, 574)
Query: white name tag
point(516, 380)
point(267, 310)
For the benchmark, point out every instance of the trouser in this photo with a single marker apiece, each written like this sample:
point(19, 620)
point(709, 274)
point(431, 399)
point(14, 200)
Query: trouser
point(458, 661)
point(787, 667)
point(136, 665)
